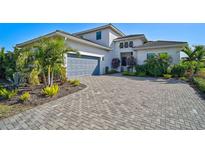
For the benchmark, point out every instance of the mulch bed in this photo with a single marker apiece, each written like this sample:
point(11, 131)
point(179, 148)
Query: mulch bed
point(37, 98)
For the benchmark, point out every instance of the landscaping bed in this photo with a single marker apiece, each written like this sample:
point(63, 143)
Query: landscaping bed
point(13, 106)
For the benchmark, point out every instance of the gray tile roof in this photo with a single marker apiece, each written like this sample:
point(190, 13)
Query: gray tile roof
point(160, 43)
point(133, 35)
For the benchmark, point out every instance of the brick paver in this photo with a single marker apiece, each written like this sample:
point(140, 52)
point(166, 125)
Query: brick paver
point(116, 102)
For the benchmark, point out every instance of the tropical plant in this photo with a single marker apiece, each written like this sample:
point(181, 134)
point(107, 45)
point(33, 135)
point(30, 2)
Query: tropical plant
point(200, 83)
point(33, 77)
point(7, 94)
point(178, 70)
point(158, 64)
point(25, 96)
point(50, 90)
point(115, 63)
point(7, 64)
point(167, 76)
point(141, 69)
point(50, 53)
point(195, 59)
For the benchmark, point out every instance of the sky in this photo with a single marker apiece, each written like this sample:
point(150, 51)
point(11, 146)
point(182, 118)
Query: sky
point(12, 34)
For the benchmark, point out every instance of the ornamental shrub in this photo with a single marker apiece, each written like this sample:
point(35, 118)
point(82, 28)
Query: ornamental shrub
point(178, 70)
point(25, 96)
point(115, 63)
point(200, 83)
point(50, 90)
point(7, 94)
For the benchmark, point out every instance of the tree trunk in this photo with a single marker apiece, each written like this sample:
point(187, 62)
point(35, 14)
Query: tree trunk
point(51, 78)
point(49, 75)
point(44, 79)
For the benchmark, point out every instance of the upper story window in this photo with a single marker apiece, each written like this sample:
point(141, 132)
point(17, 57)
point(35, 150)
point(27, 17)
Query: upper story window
point(98, 35)
point(126, 44)
point(131, 44)
point(121, 45)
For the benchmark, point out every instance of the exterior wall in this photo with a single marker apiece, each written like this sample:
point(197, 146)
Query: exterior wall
point(117, 50)
point(107, 37)
point(85, 49)
point(141, 55)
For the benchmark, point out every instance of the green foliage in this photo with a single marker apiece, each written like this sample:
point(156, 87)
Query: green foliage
point(127, 73)
point(25, 96)
point(178, 70)
point(7, 64)
point(7, 94)
point(50, 90)
point(50, 53)
point(33, 78)
point(195, 59)
point(183, 78)
point(141, 74)
point(200, 83)
point(74, 82)
point(141, 69)
point(158, 64)
point(112, 71)
point(167, 76)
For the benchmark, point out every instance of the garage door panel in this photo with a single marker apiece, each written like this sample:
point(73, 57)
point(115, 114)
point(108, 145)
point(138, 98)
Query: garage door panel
point(84, 65)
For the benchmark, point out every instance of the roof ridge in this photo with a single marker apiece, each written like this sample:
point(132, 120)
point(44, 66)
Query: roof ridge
point(100, 27)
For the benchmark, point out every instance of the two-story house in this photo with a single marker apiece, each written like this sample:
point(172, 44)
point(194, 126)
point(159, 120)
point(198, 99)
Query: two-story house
point(100, 45)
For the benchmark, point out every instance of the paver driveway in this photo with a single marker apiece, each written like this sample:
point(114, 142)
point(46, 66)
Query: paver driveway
point(116, 102)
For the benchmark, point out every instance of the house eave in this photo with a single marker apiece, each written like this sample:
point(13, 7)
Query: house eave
point(66, 35)
point(162, 46)
point(131, 38)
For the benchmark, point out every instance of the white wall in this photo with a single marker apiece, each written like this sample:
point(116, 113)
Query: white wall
point(86, 49)
point(118, 50)
point(107, 36)
point(141, 55)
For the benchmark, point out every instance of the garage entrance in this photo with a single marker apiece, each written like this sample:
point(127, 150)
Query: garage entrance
point(82, 65)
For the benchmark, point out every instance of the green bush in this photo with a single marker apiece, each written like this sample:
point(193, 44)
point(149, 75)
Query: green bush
point(74, 82)
point(178, 70)
point(141, 74)
point(33, 78)
point(140, 68)
point(183, 78)
point(7, 94)
point(167, 76)
point(50, 90)
point(126, 73)
point(200, 83)
point(158, 64)
point(25, 97)
point(112, 71)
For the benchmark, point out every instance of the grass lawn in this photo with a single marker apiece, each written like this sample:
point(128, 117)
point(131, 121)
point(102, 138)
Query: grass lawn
point(8, 110)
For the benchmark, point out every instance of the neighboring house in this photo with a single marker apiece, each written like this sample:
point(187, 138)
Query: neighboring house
point(100, 45)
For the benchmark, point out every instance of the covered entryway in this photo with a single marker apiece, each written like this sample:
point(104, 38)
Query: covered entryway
point(82, 65)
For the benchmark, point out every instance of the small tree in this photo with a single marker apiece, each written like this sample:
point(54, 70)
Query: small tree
point(195, 58)
point(50, 54)
point(115, 63)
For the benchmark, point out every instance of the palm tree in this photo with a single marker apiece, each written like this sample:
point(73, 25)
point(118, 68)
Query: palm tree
point(196, 57)
point(50, 53)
